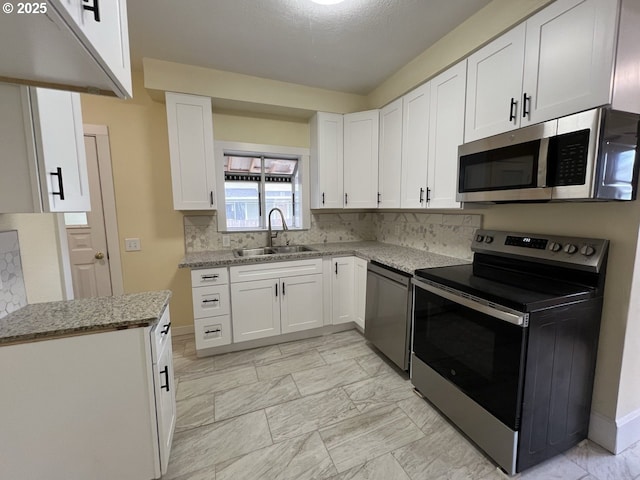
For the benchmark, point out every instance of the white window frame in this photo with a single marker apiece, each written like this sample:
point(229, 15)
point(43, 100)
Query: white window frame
point(255, 149)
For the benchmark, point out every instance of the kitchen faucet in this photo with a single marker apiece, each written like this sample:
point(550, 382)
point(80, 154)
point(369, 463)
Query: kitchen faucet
point(273, 235)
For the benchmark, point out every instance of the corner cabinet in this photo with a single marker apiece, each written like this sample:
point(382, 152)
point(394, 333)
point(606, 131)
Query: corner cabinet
point(99, 406)
point(193, 177)
point(43, 165)
point(270, 299)
point(390, 155)
point(361, 132)
point(558, 62)
point(327, 160)
point(70, 44)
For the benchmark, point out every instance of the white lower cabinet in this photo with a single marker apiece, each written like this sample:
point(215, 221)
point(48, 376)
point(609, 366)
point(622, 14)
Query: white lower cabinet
point(276, 298)
point(342, 290)
point(211, 307)
point(360, 290)
point(99, 406)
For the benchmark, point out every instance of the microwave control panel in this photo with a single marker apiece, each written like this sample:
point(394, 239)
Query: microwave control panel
point(568, 158)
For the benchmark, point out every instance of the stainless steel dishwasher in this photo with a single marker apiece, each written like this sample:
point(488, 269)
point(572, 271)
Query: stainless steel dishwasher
point(388, 312)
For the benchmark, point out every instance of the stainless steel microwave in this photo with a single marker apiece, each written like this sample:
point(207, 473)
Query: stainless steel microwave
point(591, 155)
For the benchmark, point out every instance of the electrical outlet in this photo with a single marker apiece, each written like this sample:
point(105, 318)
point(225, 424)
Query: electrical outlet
point(226, 241)
point(132, 244)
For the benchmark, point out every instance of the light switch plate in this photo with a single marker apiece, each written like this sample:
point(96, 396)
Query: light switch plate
point(132, 244)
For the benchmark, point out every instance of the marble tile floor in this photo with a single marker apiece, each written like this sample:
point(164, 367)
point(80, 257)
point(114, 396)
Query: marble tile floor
point(331, 407)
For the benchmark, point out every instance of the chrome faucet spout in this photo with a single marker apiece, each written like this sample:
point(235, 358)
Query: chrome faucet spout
point(273, 234)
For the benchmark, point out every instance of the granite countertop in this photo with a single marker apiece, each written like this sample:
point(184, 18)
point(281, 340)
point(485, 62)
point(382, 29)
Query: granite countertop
point(404, 259)
point(41, 321)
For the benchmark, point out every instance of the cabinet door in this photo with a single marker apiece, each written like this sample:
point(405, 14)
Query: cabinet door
point(327, 160)
point(569, 58)
point(415, 147)
point(446, 132)
point(360, 290)
point(255, 309)
point(494, 85)
point(342, 290)
point(390, 158)
point(165, 387)
point(361, 159)
point(190, 124)
point(62, 159)
point(301, 303)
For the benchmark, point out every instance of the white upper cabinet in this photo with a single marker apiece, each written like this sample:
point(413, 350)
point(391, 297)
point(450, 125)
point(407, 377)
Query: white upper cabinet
point(558, 62)
point(415, 147)
point(43, 166)
point(193, 177)
point(446, 133)
point(361, 132)
point(327, 160)
point(569, 51)
point(390, 155)
point(494, 85)
point(80, 45)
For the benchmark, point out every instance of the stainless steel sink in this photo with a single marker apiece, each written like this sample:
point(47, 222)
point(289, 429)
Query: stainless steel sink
point(291, 249)
point(253, 252)
point(259, 252)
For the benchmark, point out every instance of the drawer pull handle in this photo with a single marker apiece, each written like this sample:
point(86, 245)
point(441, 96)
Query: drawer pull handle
point(166, 328)
point(165, 372)
point(215, 300)
point(209, 277)
point(217, 330)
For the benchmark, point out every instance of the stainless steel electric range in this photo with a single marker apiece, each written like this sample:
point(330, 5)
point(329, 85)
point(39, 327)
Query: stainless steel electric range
point(506, 346)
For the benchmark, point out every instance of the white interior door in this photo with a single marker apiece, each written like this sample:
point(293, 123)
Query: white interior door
point(86, 237)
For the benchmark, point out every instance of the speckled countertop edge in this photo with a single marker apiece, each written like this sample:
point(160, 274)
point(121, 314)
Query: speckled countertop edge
point(41, 321)
point(401, 258)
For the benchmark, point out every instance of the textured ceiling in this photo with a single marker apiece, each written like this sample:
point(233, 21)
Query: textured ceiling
point(350, 47)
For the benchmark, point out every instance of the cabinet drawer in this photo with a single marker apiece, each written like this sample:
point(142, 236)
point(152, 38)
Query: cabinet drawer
point(212, 331)
point(264, 271)
point(209, 276)
point(161, 335)
point(210, 301)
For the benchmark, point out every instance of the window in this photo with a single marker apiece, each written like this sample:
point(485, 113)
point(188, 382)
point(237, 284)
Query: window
point(254, 184)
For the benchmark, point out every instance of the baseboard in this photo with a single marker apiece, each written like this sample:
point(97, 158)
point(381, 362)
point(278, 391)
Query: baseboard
point(180, 331)
point(615, 435)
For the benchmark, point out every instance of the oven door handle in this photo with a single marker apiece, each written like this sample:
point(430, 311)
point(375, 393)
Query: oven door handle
point(501, 313)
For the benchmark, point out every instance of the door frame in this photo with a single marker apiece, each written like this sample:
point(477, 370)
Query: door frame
point(101, 134)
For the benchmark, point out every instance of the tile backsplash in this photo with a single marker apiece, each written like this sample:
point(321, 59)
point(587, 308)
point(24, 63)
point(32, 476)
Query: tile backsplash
point(13, 295)
point(447, 234)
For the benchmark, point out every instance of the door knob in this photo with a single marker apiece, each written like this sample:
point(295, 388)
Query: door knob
point(99, 256)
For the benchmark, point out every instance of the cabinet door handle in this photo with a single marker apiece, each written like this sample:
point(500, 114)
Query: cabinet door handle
point(60, 191)
point(165, 329)
point(259, 204)
point(283, 289)
point(379, 195)
point(165, 372)
point(512, 112)
point(336, 268)
point(346, 199)
point(211, 198)
point(92, 6)
point(276, 290)
point(323, 198)
point(421, 195)
point(428, 194)
point(525, 99)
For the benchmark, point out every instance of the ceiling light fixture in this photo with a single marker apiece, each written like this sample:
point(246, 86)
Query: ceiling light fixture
point(327, 2)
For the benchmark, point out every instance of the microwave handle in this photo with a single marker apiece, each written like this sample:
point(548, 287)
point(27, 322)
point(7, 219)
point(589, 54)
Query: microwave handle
point(543, 154)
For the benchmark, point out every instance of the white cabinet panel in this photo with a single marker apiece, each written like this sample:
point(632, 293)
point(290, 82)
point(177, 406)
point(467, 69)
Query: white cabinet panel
point(342, 290)
point(361, 131)
point(256, 309)
point(204, 277)
point(212, 331)
point(415, 147)
point(210, 301)
point(494, 85)
point(165, 397)
point(390, 155)
point(190, 125)
point(360, 291)
point(446, 133)
point(327, 160)
point(258, 271)
point(301, 303)
point(568, 58)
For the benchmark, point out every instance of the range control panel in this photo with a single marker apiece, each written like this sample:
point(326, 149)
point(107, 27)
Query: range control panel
point(576, 252)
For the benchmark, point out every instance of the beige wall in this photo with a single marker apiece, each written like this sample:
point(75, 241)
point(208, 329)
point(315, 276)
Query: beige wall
point(265, 130)
point(38, 238)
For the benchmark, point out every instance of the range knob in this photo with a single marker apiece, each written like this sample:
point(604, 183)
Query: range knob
point(570, 248)
point(488, 239)
point(479, 238)
point(555, 247)
point(587, 250)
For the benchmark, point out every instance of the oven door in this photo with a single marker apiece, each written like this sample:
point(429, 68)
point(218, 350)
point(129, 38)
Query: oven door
point(477, 347)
